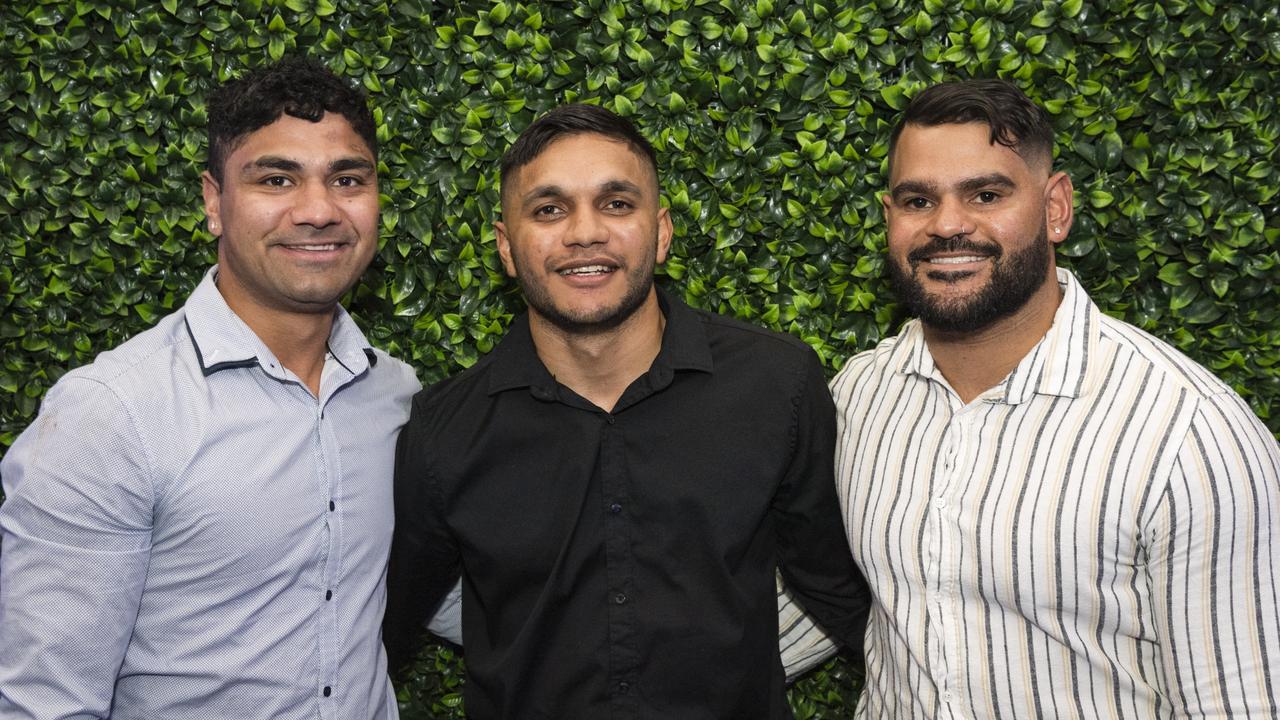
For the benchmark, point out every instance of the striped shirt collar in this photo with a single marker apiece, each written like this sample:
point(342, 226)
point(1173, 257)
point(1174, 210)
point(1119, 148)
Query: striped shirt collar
point(1057, 365)
point(223, 341)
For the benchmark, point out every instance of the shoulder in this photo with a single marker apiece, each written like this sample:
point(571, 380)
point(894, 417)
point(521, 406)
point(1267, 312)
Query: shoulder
point(869, 365)
point(1128, 343)
point(393, 370)
point(437, 405)
point(131, 366)
point(1216, 420)
point(111, 407)
point(730, 335)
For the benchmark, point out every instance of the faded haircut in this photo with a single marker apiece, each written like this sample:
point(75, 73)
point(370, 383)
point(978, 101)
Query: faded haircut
point(568, 120)
point(1015, 121)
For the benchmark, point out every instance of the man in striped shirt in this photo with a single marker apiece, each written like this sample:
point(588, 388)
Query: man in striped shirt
point(1059, 515)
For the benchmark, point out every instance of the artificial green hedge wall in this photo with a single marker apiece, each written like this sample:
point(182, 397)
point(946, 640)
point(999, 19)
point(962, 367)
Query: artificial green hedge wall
point(770, 117)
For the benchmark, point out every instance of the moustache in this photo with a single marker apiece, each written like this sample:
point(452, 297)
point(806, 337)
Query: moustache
point(952, 244)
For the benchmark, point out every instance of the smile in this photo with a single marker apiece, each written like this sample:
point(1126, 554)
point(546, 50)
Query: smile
point(587, 270)
point(957, 260)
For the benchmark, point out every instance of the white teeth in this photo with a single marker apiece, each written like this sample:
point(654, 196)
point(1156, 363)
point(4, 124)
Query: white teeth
point(317, 248)
point(955, 260)
point(586, 270)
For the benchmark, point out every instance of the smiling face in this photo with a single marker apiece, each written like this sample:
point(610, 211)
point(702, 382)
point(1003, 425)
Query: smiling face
point(297, 216)
point(582, 231)
point(971, 226)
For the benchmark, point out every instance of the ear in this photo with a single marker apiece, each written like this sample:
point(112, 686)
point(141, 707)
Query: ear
point(212, 203)
point(504, 248)
point(665, 231)
point(886, 205)
point(1058, 209)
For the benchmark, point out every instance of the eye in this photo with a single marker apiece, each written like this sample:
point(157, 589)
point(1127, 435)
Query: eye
point(617, 204)
point(348, 181)
point(987, 196)
point(277, 181)
point(916, 203)
point(546, 211)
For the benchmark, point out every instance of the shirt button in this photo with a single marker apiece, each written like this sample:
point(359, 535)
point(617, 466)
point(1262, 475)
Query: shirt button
point(624, 687)
point(939, 503)
point(332, 506)
point(328, 691)
point(620, 598)
point(610, 419)
point(328, 594)
point(615, 508)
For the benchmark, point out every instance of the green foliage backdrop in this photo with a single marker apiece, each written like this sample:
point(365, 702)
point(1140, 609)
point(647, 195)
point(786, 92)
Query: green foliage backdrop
point(770, 117)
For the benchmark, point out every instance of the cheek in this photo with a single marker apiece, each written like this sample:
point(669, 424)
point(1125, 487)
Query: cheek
point(1020, 227)
point(243, 215)
point(363, 213)
point(899, 234)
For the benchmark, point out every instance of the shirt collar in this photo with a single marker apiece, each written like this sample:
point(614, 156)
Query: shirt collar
point(684, 347)
point(223, 341)
point(1057, 365)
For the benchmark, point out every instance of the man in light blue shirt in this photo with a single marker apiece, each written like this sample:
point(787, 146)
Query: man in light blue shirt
point(197, 523)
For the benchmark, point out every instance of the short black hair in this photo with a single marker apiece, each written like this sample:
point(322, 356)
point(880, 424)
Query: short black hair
point(573, 119)
point(297, 86)
point(1015, 121)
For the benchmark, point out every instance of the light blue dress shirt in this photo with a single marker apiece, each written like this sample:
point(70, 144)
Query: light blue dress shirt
point(190, 533)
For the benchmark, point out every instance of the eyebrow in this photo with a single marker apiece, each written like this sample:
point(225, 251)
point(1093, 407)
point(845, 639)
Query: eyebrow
point(543, 192)
point(621, 186)
point(351, 163)
point(913, 187)
point(275, 162)
point(271, 162)
point(966, 186)
point(995, 179)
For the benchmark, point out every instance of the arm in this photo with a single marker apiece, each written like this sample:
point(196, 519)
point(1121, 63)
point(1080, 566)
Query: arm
point(76, 535)
point(424, 562)
point(813, 551)
point(801, 644)
point(447, 623)
point(1214, 565)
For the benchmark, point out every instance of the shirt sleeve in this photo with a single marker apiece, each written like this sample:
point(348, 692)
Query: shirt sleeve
point(76, 535)
point(813, 551)
point(1214, 557)
point(424, 561)
point(802, 645)
point(447, 622)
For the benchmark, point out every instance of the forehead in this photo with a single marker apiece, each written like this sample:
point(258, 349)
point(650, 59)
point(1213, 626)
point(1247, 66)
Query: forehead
point(296, 138)
point(952, 150)
point(585, 159)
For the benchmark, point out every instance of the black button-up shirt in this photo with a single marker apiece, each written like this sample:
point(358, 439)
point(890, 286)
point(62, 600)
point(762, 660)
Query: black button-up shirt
point(621, 564)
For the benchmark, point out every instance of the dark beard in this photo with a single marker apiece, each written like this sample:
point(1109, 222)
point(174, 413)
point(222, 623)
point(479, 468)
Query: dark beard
point(1014, 279)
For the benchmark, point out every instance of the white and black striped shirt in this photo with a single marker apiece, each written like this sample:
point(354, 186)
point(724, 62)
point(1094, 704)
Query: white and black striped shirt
point(1095, 537)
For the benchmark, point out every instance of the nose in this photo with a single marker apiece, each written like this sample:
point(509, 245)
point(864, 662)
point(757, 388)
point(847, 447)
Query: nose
point(950, 219)
point(587, 227)
point(314, 205)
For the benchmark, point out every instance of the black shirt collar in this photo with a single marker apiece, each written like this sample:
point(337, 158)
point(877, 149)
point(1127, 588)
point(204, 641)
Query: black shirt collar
point(684, 347)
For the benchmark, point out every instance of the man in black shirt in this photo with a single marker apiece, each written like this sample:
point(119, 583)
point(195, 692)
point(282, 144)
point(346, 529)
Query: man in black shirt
point(618, 480)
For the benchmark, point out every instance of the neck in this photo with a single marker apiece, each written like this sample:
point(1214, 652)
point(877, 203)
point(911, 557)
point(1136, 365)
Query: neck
point(298, 340)
point(600, 366)
point(975, 362)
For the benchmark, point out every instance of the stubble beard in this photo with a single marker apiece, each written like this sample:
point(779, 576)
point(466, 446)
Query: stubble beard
point(1015, 278)
point(639, 283)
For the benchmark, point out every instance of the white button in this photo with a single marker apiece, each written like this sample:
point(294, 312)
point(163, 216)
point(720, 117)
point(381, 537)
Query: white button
point(939, 503)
